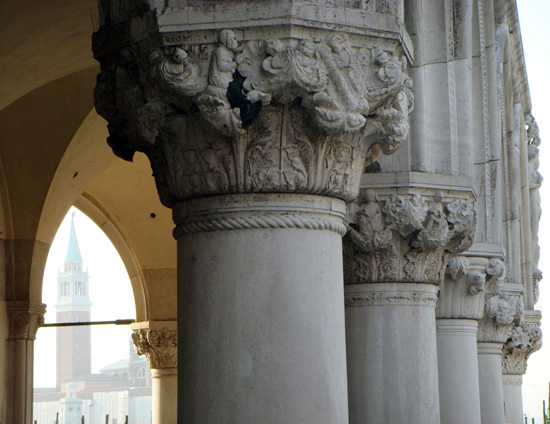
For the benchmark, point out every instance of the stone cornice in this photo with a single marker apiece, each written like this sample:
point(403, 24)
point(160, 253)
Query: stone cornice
point(405, 238)
point(273, 110)
point(158, 341)
point(24, 319)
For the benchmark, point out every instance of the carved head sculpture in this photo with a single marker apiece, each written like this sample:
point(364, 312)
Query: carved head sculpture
point(533, 154)
point(273, 47)
point(371, 196)
point(337, 42)
point(179, 55)
point(438, 197)
point(228, 39)
point(306, 47)
point(496, 271)
point(457, 267)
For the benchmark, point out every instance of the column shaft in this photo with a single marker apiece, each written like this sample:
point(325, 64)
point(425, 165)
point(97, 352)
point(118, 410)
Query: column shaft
point(392, 353)
point(513, 399)
point(20, 380)
point(458, 371)
point(165, 396)
point(260, 310)
point(490, 382)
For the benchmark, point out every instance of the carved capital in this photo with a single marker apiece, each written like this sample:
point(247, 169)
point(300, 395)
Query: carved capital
point(522, 342)
point(269, 110)
point(405, 238)
point(24, 319)
point(158, 341)
point(502, 310)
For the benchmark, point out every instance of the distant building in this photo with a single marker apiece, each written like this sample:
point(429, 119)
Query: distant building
point(122, 387)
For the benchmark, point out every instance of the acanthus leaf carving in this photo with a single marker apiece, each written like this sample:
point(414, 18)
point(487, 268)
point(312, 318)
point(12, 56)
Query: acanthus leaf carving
point(225, 114)
point(159, 346)
point(523, 341)
point(404, 238)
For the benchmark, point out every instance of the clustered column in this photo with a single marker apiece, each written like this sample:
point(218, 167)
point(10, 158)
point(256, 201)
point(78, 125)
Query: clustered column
point(24, 319)
point(257, 137)
point(158, 341)
point(394, 259)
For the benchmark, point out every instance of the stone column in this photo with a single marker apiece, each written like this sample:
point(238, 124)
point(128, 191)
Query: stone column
point(501, 312)
point(394, 258)
point(523, 341)
point(158, 341)
point(257, 135)
point(460, 307)
point(24, 320)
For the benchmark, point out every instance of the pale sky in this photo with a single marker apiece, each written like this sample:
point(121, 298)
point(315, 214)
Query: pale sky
point(111, 293)
point(535, 30)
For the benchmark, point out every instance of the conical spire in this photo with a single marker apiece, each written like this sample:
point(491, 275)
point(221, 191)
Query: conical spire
point(73, 250)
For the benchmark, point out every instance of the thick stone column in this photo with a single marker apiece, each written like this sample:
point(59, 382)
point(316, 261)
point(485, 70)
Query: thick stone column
point(24, 320)
point(502, 310)
point(158, 341)
point(394, 258)
point(460, 307)
point(257, 133)
point(523, 341)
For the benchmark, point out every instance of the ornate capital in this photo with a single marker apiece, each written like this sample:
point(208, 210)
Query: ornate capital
point(269, 109)
point(405, 238)
point(24, 319)
point(158, 343)
point(501, 310)
point(523, 341)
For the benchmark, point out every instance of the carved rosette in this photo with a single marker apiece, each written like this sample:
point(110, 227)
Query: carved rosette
point(502, 310)
point(159, 346)
point(221, 115)
point(405, 238)
point(24, 319)
point(523, 341)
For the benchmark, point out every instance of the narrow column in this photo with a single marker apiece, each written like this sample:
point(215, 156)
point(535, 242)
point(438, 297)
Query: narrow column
point(523, 341)
point(158, 341)
point(459, 309)
point(24, 320)
point(257, 136)
point(394, 258)
point(502, 310)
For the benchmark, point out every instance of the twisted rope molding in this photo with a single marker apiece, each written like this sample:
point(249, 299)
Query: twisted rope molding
point(260, 221)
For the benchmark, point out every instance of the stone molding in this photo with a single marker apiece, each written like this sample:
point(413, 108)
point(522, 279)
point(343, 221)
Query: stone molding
point(489, 348)
point(270, 113)
point(24, 319)
point(380, 294)
point(462, 326)
point(259, 211)
point(158, 341)
point(405, 238)
point(524, 340)
point(512, 380)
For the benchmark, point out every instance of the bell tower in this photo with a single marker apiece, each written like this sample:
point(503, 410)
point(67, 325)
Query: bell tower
point(73, 305)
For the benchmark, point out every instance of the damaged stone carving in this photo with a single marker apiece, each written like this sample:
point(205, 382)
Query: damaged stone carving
point(236, 116)
point(159, 346)
point(523, 341)
point(405, 238)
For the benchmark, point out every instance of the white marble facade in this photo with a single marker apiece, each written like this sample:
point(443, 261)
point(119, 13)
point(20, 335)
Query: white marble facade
point(355, 189)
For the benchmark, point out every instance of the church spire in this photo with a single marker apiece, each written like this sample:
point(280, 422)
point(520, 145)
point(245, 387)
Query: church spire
point(73, 250)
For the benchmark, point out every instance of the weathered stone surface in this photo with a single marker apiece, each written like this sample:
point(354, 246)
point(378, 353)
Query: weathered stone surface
point(405, 238)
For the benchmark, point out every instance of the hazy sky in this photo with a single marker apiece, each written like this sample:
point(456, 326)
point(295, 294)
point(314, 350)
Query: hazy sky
point(110, 289)
point(110, 293)
point(535, 30)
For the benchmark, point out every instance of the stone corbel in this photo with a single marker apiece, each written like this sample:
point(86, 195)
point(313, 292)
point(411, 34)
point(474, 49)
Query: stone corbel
point(158, 341)
point(523, 341)
point(25, 318)
point(405, 238)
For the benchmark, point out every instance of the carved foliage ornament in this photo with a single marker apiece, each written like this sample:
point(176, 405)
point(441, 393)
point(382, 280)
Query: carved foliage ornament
point(159, 346)
point(236, 117)
point(523, 341)
point(405, 238)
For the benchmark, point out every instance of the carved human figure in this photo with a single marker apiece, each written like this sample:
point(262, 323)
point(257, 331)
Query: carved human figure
point(370, 214)
point(278, 59)
point(535, 181)
point(435, 218)
point(223, 62)
point(178, 65)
